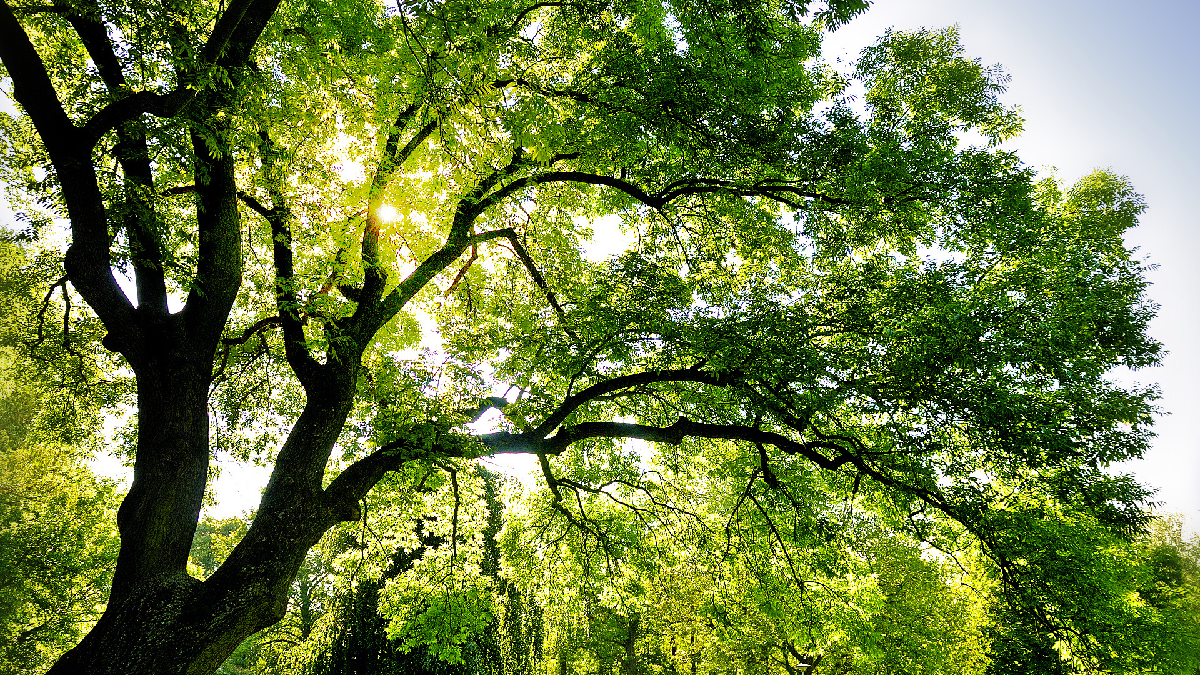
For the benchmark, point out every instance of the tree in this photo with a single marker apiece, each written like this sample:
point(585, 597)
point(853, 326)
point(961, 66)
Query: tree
point(57, 547)
point(1170, 581)
point(833, 287)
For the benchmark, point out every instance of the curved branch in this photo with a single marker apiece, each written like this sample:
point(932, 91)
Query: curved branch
point(393, 159)
point(503, 442)
point(33, 89)
point(132, 106)
point(287, 302)
point(425, 440)
point(572, 403)
point(256, 327)
point(780, 191)
point(368, 320)
point(133, 153)
point(88, 261)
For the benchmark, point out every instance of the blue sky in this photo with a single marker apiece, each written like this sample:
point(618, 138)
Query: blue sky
point(1106, 85)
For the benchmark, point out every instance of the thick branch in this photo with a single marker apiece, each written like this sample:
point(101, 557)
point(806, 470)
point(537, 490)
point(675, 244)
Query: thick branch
point(572, 403)
point(578, 96)
point(235, 52)
point(224, 30)
point(357, 479)
point(257, 206)
point(236, 32)
point(132, 106)
point(219, 265)
point(353, 483)
point(88, 259)
point(95, 40)
point(457, 241)
point(132, 152)
point(509, 443)
point(33, 90)
point(780, 191)
point(287, 303)
point(685, 428)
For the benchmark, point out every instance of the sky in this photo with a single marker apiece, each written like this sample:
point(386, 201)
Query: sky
point(1100, 84)
point(1112, 85)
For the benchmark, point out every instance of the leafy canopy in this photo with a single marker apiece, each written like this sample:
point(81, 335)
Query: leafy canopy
point(829, 299)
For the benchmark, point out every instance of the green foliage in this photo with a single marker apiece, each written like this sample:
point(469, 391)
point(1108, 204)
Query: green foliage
point(413, 587)
point(214, 539)
point(845, 398)
point(58, 539)
point(58, 543)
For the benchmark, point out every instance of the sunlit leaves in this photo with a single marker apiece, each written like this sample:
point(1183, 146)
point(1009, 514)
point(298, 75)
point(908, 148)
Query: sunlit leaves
point(58, 536)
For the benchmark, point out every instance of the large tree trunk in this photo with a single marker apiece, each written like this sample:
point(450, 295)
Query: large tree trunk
point(159, 619)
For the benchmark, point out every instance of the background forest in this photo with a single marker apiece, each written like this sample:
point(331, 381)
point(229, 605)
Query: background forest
point(842, 406)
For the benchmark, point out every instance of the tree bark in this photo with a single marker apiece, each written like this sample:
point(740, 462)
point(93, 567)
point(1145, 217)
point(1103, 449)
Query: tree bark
point(161, 620)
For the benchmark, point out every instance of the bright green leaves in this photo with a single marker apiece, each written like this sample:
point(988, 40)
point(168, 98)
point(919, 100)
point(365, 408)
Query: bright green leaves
point(58, 545)
point(631, 294)
point(736, 573)
point(414, 580)
point(1171, 584)
point(440, 617)
point(1065, 564)
point(58, 538)
point(214, 540)
point(1103, 206)
point(437, 581)
point(919, 84)
point(899, 176)
point(920, 335)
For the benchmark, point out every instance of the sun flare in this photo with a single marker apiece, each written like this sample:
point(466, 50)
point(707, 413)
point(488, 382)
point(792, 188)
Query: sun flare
point(388, 213)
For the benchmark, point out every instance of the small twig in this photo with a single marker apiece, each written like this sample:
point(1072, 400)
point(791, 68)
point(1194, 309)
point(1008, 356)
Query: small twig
point(453, 471)
point(782, 546)
point(734, 512)
point(41, 322)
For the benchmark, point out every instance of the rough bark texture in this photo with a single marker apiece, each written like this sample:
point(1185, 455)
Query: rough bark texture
point(159, 619)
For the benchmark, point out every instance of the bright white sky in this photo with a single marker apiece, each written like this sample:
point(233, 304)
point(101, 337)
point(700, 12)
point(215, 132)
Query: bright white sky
point(1101, 84)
